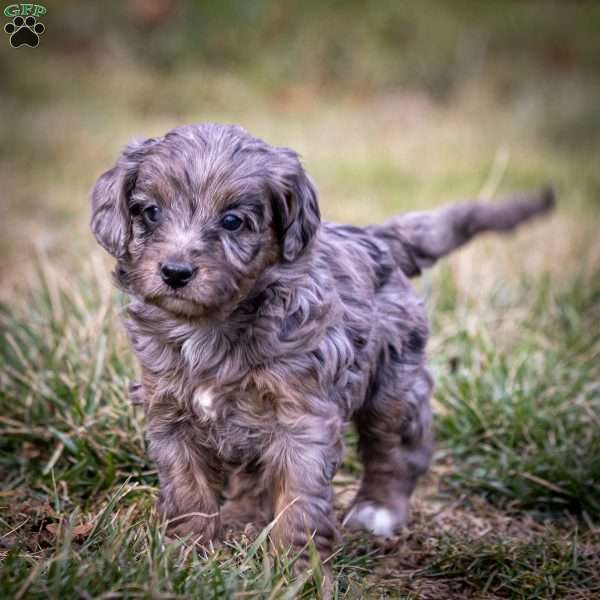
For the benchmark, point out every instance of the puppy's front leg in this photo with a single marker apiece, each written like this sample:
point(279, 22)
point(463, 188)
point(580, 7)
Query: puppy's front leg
point(303, 460)
point(189, 482)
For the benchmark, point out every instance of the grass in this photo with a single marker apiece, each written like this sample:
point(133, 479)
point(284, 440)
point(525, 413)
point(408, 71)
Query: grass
point(522, 421)
point(388, 123)
point(117, 554)
point(514, 428)
point(549, 566)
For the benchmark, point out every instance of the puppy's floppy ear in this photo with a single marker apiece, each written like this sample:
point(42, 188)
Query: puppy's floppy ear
point(111, 220)
point(295, 205)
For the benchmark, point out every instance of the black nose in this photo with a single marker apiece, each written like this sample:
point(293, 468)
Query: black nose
point(176, 274)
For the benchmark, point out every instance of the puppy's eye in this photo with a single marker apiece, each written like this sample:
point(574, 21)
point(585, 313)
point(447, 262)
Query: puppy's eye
point(231, 222)
point(152, 214)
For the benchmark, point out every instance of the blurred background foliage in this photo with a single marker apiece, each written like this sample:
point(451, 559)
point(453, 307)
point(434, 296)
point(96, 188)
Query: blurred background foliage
point(332, 47)
point(362, 46)
point(393, 105)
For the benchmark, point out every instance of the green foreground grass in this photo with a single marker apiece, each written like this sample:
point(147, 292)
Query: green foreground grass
point(512, 497)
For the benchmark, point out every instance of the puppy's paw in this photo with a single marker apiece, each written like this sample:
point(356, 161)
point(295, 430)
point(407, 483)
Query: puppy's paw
point(232, 530)
point(378, 519)
point(194, 528)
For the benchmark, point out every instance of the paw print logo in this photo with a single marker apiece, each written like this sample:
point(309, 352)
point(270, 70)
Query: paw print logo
point(24, 32)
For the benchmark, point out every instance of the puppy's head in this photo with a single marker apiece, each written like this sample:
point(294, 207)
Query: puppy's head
point(196, 216)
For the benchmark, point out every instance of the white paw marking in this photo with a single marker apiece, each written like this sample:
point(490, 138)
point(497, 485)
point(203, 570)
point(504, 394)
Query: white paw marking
point(383, 522)
point(378, 520)
point(203, 402)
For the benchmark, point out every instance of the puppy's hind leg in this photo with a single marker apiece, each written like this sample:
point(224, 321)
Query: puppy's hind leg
point(247, 500)
point(395, 445)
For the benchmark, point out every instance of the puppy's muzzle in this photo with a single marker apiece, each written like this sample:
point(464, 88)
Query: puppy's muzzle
point(176, 274)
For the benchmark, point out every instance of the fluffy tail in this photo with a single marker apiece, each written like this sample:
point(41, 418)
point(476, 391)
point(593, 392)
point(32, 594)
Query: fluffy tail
point(418, 239)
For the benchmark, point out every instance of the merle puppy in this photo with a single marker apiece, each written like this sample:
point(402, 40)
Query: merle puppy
point(261, 331)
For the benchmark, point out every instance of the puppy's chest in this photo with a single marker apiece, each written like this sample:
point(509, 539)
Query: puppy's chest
point(236, 424)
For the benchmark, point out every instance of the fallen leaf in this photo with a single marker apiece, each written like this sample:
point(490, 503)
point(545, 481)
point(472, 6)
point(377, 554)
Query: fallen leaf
point(52, 528)
point(79, 531)
point(83, 530)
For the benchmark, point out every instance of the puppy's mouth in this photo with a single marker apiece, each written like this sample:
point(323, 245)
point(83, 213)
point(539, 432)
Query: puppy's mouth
point(178, 304)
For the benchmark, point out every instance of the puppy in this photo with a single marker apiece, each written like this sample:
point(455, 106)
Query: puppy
point(261, 331)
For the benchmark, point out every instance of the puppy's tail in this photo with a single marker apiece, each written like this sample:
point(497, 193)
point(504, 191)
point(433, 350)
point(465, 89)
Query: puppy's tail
point(419, 239)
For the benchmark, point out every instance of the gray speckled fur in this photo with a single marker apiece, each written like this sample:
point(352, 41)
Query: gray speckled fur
point(289, 329)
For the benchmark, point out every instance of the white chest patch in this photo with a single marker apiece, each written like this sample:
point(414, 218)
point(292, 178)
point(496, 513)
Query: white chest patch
point(204, 402)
